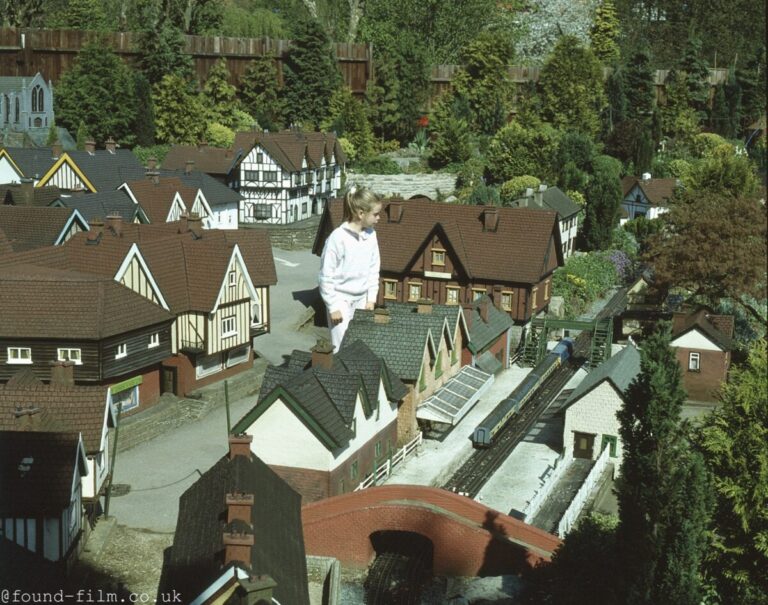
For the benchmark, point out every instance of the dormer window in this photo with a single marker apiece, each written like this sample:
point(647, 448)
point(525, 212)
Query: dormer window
point(73, 355)
point(438, 257)
point(232, 279)
point(506, 301)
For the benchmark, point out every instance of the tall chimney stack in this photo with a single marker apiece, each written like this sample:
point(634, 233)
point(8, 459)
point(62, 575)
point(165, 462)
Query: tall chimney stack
point(188, 166)
point(239, 507)
point(240, 445)
point(395, 211)
point(490, 218)
point(322, 354)
point(237, 547)
point(63, 373)
point(381, 316)
point(424, 306)
point(115, 222)
point(56, 150)
point(110, 145)
point(90, 146)
point(95, 231)
point(152, 164)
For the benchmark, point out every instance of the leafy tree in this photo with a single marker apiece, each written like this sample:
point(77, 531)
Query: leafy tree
point(197, 17)
point(605, 33)
point(723, 171)
point(22, 13)
point(161, 52)
point(179, 115)
point(639, 86)
point(663, 493)
point(642, 229)
point(733, 441)
point(483, 195)
point(255, 22)
point(219, 96)
point(82, 136)
point(515, 187)
point(347, 118)
point(751, 79)
point(517, 150)
point(483, 81)
point(310, 74)
point(603, 195)
point(450, 133)
point(260, 93)
point(734, 229)
point(571, 85)
point(99, 90)
point(80, 14)
point(218, 135)
point(573, 161)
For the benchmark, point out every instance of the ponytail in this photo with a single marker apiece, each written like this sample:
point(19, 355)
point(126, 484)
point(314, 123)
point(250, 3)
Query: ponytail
point(356, 200)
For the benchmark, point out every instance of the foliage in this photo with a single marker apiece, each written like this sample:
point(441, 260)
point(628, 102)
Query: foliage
point(450, 133)
point(582, 569)
point(346, 117)
point(624, 240)
point(347, 147)
point(255, 22)
point(179, 114)
point(219, 96)
point(616, 99)
point(144, 123)
point(470, 175)
point(750, 75)
point(641, 229)
point(571, 87)
point(734, 230)
point(577, 197)
point(482, 195)
point(483, 81)
point(603, 195)
point(544, 22)
point(679, 120)
point(515, 188)
point(638, 82)
point(99, 90)
point(573, 161)
point(696, 73)
point(80, 14)
point(583, 279)
point(151, 151)
point(260, 93)
point(663, 493)
point(161, 52)
point(82, 136)
point(218, 135)
point(517, 150)
point(22, 13)
point(725, 170)
point(631, 142)
point(311, 75)
point(53, 134)
point(378, 165)
point(704, 144)
point(605, 32)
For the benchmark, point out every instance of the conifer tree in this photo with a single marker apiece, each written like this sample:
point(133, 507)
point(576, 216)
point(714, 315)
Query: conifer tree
point(346, 117)
point(161, 51)
point(617, 99)
point(638, 84)
point(663, 492)
point(219, 97)
point(144, 127)
point(605, 33)
point(53, 134)
point(603, 195)
point(450, 133)
point(751, 79)
point(179, 115)
point(259, 93)
point(311, 75)
point(82, 136)
point(696, 77)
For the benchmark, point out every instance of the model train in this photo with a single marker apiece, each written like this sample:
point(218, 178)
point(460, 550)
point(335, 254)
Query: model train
point(487, 429)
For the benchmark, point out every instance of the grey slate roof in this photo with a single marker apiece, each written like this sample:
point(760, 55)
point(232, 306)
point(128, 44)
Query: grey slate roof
point(481, 333)
point(555, 199)
point(329, 396)
point(435, 319)
point(620, 370)
point(215, 192)
point(102, 204)
point(194, 560)
point(34, 162)
point(107, 171)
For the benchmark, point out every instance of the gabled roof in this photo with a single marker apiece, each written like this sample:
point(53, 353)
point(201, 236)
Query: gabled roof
point(156, 199)
point(15, 194)
point(517, 252)
point(620, 370)
point(658, 191)
point(81, 409)
point(195, 559)
point(39, 302)
point(440, 317)
point(325, 398)
point(211, 160)
point(289, 147)
point(10, 84)
point(215, 192)
point(102, 204)
point(33, 162)
point(107, 170)
point(483, 333)
point(718, 328)
point(43, 486)
point(28, 227)
point(555, 199)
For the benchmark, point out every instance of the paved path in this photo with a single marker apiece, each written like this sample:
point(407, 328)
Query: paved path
point(562, 494)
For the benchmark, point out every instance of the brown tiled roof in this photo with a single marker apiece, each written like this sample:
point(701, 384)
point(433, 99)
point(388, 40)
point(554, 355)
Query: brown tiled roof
point(46, 487)
point(15, 194)
point(39, 302)
point(156, 198)
point(58, 408)
point(288, 147)
point(188, 267)
point(515, 253)
point(718, 328)
point(27, 227)
point(658, 191)
point(212, 160)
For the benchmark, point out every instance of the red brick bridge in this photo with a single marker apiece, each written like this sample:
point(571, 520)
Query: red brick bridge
point(467, 538)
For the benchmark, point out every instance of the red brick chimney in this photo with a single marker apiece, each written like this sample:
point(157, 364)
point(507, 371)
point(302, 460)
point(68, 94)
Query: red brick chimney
point(240, 445)
point(395, 211)
point(27, 191)
point(237, 547)
point(183, 223)
point(202, 145)
point(90, 146)
point(63, 373)
point(96, 228)
point(110, 145)
point(322, 354)
point(152, 164)
point(490, 218)
point(381, 316)
point(239, 507)
point(56, 150)
point(188, 166)
point(195, 224)
point(424, 306)
point(115, 222)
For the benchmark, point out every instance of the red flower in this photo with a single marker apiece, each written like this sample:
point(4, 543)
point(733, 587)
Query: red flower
point(423, 121)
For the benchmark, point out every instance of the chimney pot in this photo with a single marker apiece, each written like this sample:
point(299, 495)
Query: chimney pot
point(490, 218)
point(322, 354)
point(96, 228)
point(90, 146)
point(195, 224)
point(56, 150)
point(239, 507)
point(240, 445)
point(395, 211)
point(27, 190)
point(424, 306)
point(63, 373)
point(646, 176)
point(110, 145)
point(188, 165)
point(115, 222)
point(237, 547)
point(152, 163)
point(183, 223)
point(381, 316)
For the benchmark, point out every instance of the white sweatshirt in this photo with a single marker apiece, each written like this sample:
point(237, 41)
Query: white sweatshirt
point(349, 266)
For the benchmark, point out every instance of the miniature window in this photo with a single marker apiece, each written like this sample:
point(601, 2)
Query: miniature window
point(377, 449)
point(262, 211)
point(414, 291)
point(37, 99)
point(251, 175)
point(477, 293)
point(255, 313)
point(452, 295)
point(270, 176)
point(228, 326)
point(154, 340)
point(534, 295)
point(390, 289)
point(506, 301)
point(438, 257)
point(694, 362)
point(69, 355)
point(546, 290)
point(609, 441)
point(259, 158)
point(19, 355)
point(354, 470)
point(232, 278)
point(122, 351)
point(296, 179)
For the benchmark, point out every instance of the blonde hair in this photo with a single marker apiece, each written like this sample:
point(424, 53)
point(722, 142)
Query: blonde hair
point(357, 200)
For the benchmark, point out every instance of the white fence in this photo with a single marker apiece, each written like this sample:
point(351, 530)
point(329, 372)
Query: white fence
point(581, 497)
point(552, 475)
point(383, 471)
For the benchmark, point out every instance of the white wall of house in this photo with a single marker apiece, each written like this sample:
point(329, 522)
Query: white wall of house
point(568, 231)
point(636, 204)
point(594, 413)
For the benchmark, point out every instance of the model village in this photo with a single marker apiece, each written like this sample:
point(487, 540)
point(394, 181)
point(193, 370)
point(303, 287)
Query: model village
point(176, 424)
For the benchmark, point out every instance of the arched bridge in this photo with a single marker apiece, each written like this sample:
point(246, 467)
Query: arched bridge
point(467, 538)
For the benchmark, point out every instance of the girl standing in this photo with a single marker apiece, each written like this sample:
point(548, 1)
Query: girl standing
point(349, 266)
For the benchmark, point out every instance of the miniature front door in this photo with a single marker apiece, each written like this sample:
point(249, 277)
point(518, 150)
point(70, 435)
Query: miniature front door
point(583, 444)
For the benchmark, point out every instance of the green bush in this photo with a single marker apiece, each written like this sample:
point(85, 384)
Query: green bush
point(515, 187)
point(483, 195)
point(378, 165)
point(152, 151)
point(583, 279)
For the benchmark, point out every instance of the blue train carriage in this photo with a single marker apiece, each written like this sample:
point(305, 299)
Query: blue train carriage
point(486, 430)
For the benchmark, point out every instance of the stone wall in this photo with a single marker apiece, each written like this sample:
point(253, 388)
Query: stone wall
point(296, 236)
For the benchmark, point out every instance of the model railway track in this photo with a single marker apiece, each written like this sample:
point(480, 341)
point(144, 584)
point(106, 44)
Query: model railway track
point(483, 463)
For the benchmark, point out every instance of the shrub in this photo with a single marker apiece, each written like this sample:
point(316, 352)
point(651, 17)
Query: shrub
point(583, 279)
point(152, 151)
point(379, 165)
point(219, 135)
point(483, 195)
point(516, 186)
